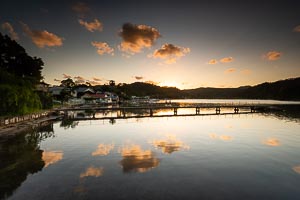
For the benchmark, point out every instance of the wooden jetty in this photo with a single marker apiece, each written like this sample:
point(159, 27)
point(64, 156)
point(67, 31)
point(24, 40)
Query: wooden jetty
point(149, 111)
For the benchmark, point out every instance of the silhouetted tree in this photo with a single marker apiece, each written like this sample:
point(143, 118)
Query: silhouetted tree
point(15, 60)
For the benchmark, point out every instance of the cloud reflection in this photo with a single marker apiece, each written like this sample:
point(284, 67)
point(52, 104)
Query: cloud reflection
point(103, 150)
point(169, 144)
point(137, 160)
point(51, 157)
point(92, 171)
point(272, 142)
point(221, 137)
point(297, 169)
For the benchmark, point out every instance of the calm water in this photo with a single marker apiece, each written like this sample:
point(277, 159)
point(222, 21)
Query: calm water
point(253, 156)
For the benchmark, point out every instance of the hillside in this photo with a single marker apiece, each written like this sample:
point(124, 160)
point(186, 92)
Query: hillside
point(281, 90)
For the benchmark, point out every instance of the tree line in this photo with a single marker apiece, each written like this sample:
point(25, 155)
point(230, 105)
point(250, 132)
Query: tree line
point(19, 75)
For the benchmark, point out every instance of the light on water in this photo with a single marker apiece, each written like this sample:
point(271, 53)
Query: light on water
point(212, 157)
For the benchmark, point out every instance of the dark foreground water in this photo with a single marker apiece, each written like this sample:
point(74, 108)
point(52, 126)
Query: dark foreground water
point(252, 156)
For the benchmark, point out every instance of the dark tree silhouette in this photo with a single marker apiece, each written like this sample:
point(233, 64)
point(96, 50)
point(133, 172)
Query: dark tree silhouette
point(15, 60)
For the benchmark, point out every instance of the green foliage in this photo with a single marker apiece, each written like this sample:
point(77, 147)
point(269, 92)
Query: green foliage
point(19, 73)
point(15, 60)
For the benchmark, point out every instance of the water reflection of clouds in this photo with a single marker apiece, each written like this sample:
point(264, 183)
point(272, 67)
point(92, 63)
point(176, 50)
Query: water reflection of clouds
point(51, 157)
point(272, 142)
point(103, 149)
point(137, 160)
point(297, 169)
point(221, 137)
point(169, 144)
point(92, 171)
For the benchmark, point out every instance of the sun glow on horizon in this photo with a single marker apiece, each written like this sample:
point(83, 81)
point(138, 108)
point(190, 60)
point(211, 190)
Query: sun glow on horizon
point(171, 84)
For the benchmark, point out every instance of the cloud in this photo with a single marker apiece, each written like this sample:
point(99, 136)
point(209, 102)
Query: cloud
point(103, 150)
point(79, 79)
point(92, 171)
point(137, 37)
point(297, 29)
point(81, 8)
point(102, 48)
point(229, 70)
point(9, 28)
point(169, 144)
point(138, 77)
point(96, 25)
point(246, 71)
point(212, 62)
point(152, 82)
point(96, 79)
point(272, 55)
point(226, 60)
point(170, 53)
point(221, 137)
point(136, 159)
point(93, 82)
point(297, 169)
point(51, 157)
point(272, 142)
point(42, 38)
point(66, 76)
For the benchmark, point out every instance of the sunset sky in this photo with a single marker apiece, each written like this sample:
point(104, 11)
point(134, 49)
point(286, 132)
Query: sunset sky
point(187, 44)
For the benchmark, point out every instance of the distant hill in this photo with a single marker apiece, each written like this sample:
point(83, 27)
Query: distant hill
point(281, 90)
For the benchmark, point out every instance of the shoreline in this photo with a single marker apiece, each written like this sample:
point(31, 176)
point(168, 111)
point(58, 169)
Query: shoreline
point(12, 130)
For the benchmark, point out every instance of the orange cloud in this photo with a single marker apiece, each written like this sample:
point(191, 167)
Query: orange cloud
point(152, 82)
point(96, 25)
point(79, 79)
point(221, 137)
point(137, 37)
point(230, 70)
point(170, 53)
point(92, 171)
point(137, 160)
point(297, 169)
point(51, 157)
point(81, 8)
point(9, 28)
point(246, 72)
point(212, 62)
point(272, 55)
point(96, 79)
point(297, 29)
point(169, 144)
point(103, 149)
point(103, 48)
point(42, 38)
point(226, 60)
point(65, 76)
point(138, 77)
point(272, 142)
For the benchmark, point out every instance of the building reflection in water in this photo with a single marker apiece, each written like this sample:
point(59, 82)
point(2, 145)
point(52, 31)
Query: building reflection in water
point(169, 144)
point(137, 160)
point(103, 150)
point(51, 157)
point(92, 171)
point(272, 142)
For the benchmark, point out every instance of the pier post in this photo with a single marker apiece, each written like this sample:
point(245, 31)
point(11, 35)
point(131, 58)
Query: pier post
point(124, 113)
point(197, 110)
point(175, 111)
point(151, 112)
point(252, 109)
point(218, 110)
point(236, 110)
